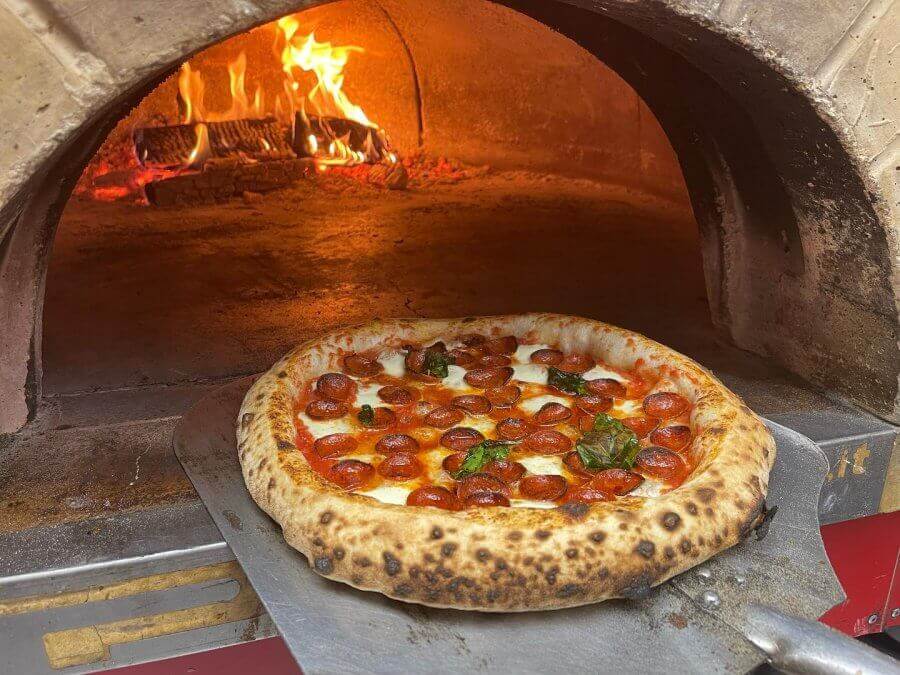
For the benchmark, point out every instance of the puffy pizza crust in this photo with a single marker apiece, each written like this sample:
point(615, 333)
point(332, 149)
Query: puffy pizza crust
point(508, 559)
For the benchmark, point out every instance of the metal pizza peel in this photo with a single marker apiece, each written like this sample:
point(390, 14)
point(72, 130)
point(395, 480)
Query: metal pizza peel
point(755, 602)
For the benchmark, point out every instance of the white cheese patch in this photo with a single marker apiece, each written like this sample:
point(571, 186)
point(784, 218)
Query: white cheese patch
point(531, 504)
point(367, 394)
point(319, 428)
point(524, 352)
point(530, 372)
point(394, 362)
point(649, 488)
point(483, 424)
point(454, 379)
point(388, 494)
point(599, 372)
point(628, 408)
point(535, 403)
point(543, 465)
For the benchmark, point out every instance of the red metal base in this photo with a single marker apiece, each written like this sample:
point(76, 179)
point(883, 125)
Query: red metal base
point(865, 554)
point(269, 656)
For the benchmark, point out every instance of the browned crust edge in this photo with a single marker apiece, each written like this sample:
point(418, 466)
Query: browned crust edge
point(508, 559)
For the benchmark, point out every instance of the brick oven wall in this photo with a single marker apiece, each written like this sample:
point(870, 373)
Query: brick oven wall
point(814, 88)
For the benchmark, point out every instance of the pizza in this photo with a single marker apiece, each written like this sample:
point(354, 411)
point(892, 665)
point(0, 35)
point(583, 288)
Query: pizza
point(505, 463)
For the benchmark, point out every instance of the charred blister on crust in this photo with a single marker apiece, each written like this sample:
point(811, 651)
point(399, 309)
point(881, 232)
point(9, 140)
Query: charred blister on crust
point(323, 565)
point(392, 565)
point(542, 534)
point(285, 445)
point(246, 419)
point(598, 536)
point(671, 520)
point(645, 548)
point(326, 517)
point(575, 510)
point(448, 549)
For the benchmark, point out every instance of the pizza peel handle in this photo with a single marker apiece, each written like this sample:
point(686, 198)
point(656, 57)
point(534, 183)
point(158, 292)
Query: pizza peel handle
point(800, 646)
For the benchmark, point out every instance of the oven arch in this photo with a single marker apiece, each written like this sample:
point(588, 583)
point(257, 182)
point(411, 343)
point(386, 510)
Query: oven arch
point(794, 210)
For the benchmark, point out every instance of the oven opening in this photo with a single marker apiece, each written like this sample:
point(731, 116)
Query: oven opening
point(325, 168)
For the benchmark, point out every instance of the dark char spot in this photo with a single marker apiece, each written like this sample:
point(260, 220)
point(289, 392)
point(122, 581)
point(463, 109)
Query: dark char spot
point(326, 517)
point(285, 445)
point(569, 590)
point(671, 520)
point(575, 510)
point(392, 565)
point(645, 548)
point(598, 536)
point(437, 533)
point(448, 549)
point(323, 565)
point(542, 534)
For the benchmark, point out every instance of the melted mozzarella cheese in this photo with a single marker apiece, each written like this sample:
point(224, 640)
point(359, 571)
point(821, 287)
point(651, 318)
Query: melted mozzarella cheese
point(483, 424)
point(388, 494)
point(598, 372)
point(535, 403)
point(531, 504)
point(394, 362)
point(319, 428)
point(628, 408)
point(649, 488)
point(367, 394)
point(530, 372)
point(543, 464)
point(454, 379)
point(524, 352)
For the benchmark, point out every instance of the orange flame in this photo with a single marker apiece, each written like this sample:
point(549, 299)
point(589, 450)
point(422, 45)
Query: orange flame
point(327, 62)
point(202, 149)
point(191, 90)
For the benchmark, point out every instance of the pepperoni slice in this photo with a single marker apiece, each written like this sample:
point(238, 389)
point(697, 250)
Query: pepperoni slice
point(546, 357)
point(665, 405)
point(334, 445)
point(586, 494)
point(465, 358)
point(503, 397)
point(504, 469)
point(472, 404)
point(335, 385)
point(351, 473)
point(551, 413)
point(494, 361)
point(398, 395)
point(591, 404)
point(326, 409)
point(487, 378)
point(585, 422)
point(616, 481)
point(434, 495)
point(473, 339)
point(400, 465)
point(480, 482)
point(576, 466)
point(486, 499)
point(396, 443)
point(658, 463)
point(513, 429)
point(547, 442)
point(576, 363)
point(606, 386)
point(452, 463)
point(501, 345)
point(641, 426)
point(672, 438)
point(415, 360)
point(383, 418)
point(444, 417)
point(461, 438)
point(544, 487)
point(362, 366)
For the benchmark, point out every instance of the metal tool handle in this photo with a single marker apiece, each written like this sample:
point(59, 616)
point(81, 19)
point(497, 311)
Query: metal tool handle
point(809, 648)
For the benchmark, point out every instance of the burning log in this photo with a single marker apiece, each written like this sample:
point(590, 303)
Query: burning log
point(332, 137)
point(254, 139)
point(222, 179)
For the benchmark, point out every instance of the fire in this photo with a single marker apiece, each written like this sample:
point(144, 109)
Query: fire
point(202, 149)
point(327, 62)
point(191, 90)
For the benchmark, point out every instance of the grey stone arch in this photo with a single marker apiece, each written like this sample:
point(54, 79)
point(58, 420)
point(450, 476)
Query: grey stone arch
point(793, 194)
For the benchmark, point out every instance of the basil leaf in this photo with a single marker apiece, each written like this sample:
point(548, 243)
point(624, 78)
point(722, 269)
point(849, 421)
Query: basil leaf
point(479, 455)
point(571, 383)
point(609, 445)
point(437, 363)
point(366, 415)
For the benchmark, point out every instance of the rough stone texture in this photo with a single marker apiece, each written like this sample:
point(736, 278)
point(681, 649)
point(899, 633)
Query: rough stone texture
point(806, 274)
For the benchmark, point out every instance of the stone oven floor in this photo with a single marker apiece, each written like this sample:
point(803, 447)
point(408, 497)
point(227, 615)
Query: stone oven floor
point(149, 309)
